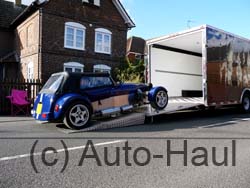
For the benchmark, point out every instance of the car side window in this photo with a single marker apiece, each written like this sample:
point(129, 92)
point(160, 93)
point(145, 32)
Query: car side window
point(85, 83)
point(94, 82)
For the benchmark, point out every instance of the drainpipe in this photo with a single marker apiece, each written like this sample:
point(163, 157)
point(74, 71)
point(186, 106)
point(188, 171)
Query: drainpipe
point(40, 44)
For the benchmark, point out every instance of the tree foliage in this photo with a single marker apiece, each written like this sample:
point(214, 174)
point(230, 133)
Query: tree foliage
point(130, 72)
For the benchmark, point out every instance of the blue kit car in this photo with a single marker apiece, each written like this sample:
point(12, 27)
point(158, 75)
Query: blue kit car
point(76, 98)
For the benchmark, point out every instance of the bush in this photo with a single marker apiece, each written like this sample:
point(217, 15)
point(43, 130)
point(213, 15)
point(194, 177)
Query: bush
point(130, 72)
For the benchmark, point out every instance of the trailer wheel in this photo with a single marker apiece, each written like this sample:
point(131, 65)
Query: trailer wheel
point(77, 116)
point(160, 99)
point(246, 103)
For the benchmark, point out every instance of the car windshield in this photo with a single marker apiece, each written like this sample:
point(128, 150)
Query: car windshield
point(52, 84)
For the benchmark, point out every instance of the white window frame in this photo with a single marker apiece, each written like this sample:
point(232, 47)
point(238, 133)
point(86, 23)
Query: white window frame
point(73, 66)
point(30, 71)
point(102, 68)
point(75, 26)
point(97, 2)
point(103, 32)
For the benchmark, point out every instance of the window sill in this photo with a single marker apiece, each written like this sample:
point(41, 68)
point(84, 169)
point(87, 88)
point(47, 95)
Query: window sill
point(99, 52)
point(74, 48)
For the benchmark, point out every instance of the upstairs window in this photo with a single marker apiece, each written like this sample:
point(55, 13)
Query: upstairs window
point(74, 36)
point(73, 67)
point(92, 2)
point(30, 35)
point(22, 39)
point(103, 41)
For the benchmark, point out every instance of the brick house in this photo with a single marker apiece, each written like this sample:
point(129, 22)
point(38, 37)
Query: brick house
point(135, 48)
point(8, 56)
point(70, 35)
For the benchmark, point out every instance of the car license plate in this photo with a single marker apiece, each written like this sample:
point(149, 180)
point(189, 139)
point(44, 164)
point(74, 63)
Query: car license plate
point(39, 109)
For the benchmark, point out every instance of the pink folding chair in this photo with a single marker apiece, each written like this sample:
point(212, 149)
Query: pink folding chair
point(19, 102)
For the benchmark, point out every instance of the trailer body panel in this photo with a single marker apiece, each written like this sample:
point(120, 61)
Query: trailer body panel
point(228, 67)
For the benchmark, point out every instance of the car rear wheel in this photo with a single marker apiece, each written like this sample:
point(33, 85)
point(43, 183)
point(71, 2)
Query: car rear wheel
point(246, 103)
point(77, 116)
point(160, 99)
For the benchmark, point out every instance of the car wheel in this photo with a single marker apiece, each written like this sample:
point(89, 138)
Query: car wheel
point(246, 103)
point(160, 99)
point(77, 116)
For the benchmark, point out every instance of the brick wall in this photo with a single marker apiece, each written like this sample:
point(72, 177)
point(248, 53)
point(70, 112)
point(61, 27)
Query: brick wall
point(27, 44)
point(54, 63)
point(54, 16)
point(51, 19)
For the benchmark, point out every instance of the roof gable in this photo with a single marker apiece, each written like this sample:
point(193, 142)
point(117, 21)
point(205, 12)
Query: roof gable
point(39, 3)
point(136, 45)
point(124, 13)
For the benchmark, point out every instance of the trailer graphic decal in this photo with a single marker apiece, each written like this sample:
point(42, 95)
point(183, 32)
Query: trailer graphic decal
point(228, 64)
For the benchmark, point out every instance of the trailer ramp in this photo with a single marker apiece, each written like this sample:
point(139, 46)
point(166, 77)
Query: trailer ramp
point(176, 104)
point(124, 120)
point(138, 116)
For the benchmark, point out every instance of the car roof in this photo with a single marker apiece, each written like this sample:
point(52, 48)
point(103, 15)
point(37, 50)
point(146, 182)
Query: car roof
point(71, 81)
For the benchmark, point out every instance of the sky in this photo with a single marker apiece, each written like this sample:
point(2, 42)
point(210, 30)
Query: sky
point(154, 18)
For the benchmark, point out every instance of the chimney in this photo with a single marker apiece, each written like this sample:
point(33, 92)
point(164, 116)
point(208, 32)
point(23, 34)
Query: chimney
point(18, 2)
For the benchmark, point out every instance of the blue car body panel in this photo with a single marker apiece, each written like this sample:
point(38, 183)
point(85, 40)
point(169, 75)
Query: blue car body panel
point(64, 101)
point(47, 101)
point(152, 92)
point(97, 93)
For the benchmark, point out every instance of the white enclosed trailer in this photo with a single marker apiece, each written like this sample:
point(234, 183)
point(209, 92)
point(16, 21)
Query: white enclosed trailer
point(202, 66)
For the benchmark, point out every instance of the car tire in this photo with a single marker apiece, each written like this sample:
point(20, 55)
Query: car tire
point(77, 116)
point(246, 103)
point(160, 99)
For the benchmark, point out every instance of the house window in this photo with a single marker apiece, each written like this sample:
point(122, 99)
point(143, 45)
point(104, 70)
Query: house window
point(102, 68)
point(30, 71)
point(74, 36)
point(73, 67)
point(93, 2)
point(103, 41)
point(30, 33)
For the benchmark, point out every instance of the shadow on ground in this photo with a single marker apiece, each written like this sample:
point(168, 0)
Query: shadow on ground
point(188, 119)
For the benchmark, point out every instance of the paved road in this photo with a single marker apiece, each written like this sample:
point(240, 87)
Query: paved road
point(225, 130)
